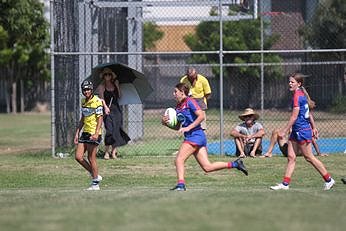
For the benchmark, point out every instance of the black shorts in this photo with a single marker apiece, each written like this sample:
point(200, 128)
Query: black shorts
point(248, 148)
point(85, 138)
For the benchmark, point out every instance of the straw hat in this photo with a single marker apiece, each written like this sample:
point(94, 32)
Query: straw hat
point(108, 71)
point(247, 112)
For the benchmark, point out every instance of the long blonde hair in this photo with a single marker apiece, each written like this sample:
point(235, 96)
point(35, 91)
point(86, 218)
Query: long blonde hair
point(299, 77)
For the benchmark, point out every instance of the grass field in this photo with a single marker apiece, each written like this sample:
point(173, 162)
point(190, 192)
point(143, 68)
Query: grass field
point(24, 132)
point(38, 192)
point(42, 193)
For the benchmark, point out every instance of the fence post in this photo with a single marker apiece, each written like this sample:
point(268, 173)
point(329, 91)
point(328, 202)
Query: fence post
point(134, 111)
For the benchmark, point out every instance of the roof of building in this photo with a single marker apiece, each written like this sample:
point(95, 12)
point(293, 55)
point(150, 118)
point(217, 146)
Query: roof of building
point(173, 38)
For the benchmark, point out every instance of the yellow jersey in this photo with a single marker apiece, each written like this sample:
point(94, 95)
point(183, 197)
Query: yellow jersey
point(91, 110)
point(200, 89)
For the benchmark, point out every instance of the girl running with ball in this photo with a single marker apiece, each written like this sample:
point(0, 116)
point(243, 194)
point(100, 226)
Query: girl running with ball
point(190, 116)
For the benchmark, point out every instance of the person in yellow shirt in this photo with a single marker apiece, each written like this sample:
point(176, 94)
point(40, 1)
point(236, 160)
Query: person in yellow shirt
point(88, 141)
point(199, 90)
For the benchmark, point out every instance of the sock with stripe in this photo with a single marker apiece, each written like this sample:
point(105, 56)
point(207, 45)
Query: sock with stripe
point(181, 182)
point(233, 164)
point(327, 178)
point(286, 181)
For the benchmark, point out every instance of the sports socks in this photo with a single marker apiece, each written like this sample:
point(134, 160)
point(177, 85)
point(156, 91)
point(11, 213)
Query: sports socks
point(286, 181)
point(181, 182)
point(327, 178)
point(233, 164)
point(95, 181)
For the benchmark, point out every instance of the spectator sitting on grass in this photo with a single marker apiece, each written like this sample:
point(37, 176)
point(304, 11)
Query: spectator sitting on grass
point(282, 142)
point(248, 135)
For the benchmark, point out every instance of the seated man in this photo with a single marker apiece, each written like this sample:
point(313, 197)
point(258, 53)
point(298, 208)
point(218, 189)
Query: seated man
point(248, 135)
point(282, 142)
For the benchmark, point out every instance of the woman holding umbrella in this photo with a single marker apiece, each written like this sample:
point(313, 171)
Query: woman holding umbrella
point(109, 91)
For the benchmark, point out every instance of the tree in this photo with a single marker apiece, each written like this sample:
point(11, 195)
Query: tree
point(327, 28)
point(237, 35)
point(23, 40)
point(151, 35)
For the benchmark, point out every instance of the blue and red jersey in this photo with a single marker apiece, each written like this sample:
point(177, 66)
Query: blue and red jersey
point(186, 115)
point(303, 119)
point(186, 112)
point(301, 129)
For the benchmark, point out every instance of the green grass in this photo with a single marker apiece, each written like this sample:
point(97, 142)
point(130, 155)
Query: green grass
point(24, 132)
point(42, 193)
point(38, 192)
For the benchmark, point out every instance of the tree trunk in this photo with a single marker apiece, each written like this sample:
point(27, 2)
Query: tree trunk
point(21, 96)
point(14, 98)
point(7, 97)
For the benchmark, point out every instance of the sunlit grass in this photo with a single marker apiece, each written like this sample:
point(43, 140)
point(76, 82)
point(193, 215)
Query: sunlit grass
point(42, 193)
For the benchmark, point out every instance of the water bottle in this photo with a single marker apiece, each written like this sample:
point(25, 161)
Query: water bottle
point(62, 155)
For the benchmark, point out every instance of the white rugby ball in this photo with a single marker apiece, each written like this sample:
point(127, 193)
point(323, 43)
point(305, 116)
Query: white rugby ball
point(172, 117)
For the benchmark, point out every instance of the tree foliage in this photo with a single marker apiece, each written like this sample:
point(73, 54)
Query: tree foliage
point(24, 39)
point(237, 36)
point(327, 28)
point(151, 35)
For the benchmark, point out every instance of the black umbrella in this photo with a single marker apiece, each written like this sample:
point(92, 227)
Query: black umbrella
point(133, 84)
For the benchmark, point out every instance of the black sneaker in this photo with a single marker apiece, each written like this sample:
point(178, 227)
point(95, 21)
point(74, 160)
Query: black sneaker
point(241, 166)
point(343, 180)
point(179, 187)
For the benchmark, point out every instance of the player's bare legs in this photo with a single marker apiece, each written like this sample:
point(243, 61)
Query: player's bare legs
point(185, 151)
point(309, 157)
point(92, 150)
point(206, 165)
point(291, 159)
point(79, 156)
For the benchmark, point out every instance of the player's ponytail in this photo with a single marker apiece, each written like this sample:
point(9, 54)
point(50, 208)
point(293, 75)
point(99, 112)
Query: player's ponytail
point(311, 103)
point(299, 77)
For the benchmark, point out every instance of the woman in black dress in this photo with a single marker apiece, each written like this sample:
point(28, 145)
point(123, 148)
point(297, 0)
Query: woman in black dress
point(109, 91)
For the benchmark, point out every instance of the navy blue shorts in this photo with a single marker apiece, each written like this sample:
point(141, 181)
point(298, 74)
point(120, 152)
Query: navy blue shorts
point(85, 138)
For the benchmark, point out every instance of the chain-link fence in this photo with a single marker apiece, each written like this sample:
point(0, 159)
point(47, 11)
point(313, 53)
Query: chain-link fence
point(263, 41)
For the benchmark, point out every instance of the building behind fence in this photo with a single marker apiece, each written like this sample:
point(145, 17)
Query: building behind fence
point(87, 33)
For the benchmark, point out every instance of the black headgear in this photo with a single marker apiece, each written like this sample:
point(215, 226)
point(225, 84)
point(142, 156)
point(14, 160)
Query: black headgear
point(87, 85)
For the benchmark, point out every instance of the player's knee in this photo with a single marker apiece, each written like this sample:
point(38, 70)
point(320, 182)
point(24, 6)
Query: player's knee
point(309, 158)
point(79, 158)
point(207, 168)
point(291, 158)
point(178, 160)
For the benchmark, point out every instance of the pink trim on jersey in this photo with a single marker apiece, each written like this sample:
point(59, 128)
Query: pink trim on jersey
point(300, 142)
point(191, 143)
point(194, 144)
point(184, 103)
point(194, 102)
point(296, 96)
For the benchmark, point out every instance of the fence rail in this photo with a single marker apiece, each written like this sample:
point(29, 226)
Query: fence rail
point(262, 42)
